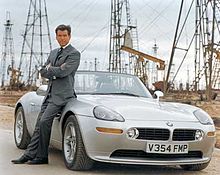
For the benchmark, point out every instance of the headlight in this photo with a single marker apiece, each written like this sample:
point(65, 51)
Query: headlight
point(103, 113)
point(203, 117)
point(133, 133)
point(199, 135)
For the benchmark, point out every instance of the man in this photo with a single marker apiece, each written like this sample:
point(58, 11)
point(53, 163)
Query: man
point(60, 69)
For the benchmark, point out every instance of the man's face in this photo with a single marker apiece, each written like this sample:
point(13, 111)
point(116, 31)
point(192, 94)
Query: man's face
point(62, 37)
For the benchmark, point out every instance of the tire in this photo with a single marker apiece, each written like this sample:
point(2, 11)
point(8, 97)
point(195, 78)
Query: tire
point(195, 167)
point(21, 135)
point(74, 153)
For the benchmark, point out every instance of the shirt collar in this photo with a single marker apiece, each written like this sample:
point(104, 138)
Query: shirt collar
point(66, 46)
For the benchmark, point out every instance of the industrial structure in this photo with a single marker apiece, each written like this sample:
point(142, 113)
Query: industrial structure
point(8, 61)
point(121, 27)
point(35, 49)
point(124, 54)
point(206, 38)
point(36, 41)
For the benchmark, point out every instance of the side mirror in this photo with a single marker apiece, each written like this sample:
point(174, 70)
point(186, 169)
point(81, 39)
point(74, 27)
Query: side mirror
point(158, 94)
point(42, 90)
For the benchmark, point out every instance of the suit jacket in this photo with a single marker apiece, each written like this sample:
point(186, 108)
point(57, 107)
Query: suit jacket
point(61, 78)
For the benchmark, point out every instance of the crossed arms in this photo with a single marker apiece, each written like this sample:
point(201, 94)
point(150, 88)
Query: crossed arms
point(52, 72)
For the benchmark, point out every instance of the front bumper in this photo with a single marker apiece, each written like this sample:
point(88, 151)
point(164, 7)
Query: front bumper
point(103, 146)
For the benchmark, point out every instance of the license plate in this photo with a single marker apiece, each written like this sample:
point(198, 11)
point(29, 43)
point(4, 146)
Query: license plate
point(167, 148)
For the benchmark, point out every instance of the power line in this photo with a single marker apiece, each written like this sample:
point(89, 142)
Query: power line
point(149, 25)
point(86, 13)
point(95, 36)
point(69, 10)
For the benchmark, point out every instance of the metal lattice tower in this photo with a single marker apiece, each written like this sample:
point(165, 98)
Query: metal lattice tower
point(207, 45)
point(216, 63)
point(115, 37)
point(121, 26)
point(202, 43)
point(36, 41)
point(8, 49)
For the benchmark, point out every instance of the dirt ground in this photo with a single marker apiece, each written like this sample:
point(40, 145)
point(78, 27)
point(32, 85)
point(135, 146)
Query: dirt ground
point(8, 100)
point(6, 117)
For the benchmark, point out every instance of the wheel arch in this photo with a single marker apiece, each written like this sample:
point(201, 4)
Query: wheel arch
point(65, 117)
point(25, 138)
point(63, 121)
point(18, 105)
point(84, 162)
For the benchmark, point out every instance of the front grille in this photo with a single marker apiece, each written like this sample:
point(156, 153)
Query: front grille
point(153, 134)
point(184, 135)
point(143, 154)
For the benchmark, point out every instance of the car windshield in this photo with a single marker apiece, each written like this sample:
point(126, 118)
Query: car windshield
point(106, 83)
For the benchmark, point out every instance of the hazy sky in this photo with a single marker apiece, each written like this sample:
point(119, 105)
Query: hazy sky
point(90, 19)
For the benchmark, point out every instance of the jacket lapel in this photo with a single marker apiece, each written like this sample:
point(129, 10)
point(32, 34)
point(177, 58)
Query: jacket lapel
point(64, 53)
point(55, 56)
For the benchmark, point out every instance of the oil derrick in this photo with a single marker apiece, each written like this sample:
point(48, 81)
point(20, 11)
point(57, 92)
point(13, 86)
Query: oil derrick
point(7, 62)
point(36, 41)
point(207, 46)
point(124, 54)
point(122, 32)
point(202, 44)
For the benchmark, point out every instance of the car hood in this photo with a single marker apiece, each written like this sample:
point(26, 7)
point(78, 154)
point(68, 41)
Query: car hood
point(138, 108)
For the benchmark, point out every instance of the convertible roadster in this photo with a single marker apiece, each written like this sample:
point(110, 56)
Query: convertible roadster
point(115, 119)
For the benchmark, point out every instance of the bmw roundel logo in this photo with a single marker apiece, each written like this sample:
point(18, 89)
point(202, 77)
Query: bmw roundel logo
point(169, 124)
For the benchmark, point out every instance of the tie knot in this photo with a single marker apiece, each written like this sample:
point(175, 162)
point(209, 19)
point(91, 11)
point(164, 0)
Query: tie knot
point(58, 54)
point(60, 50)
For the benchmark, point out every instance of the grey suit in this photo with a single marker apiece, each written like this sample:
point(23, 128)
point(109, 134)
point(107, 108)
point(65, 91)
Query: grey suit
point(60, 90)
point(62, 79)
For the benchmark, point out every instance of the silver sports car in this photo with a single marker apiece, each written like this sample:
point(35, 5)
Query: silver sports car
point(115, 119)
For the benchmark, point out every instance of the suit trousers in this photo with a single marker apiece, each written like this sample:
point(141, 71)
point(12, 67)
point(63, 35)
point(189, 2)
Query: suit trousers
point(40, 139)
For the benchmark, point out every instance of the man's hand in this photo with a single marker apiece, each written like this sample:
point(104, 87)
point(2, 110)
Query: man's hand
point(62, 66)
point(48, 66)
point(39, 68)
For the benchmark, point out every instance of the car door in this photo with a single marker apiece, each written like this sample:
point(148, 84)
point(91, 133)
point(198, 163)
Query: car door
point(34, 108)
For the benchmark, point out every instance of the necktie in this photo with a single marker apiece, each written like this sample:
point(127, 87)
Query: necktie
point(58, 54)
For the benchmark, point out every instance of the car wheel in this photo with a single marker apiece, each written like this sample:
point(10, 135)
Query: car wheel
point(21, 135)
point(75, 156)
point(195, 167)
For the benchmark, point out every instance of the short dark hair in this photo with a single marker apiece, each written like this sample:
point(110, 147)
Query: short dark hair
point(63, 27)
